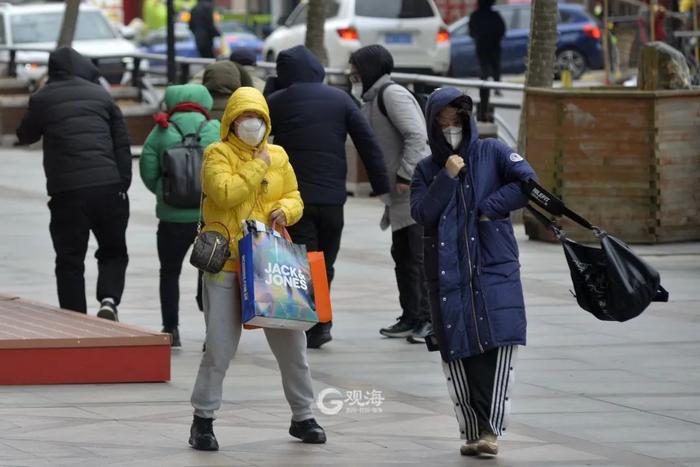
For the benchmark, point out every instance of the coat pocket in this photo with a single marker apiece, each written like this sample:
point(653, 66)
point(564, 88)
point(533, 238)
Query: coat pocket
point(498, 248)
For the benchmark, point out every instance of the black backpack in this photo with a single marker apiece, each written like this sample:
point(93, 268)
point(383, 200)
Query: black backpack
point(611, 282)
point(181, 167)
point(421, 99)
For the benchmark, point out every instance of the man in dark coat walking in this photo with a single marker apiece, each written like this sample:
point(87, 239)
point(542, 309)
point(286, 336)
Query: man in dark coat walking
point(487, 28)
point(311, 121)
point(87, 161)
point(203, 27)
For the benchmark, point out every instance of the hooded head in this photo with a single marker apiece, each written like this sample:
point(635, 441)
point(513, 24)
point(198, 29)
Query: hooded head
point(245, 99)
point(437, 101)
point(182, 93)
point(485, 4)
point(244, 56)
point(222, 78)
point(66, 62)
point(298, 65)
point(372, 62)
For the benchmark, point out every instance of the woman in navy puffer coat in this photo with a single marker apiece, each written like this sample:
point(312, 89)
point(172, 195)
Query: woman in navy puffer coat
point(463, 195)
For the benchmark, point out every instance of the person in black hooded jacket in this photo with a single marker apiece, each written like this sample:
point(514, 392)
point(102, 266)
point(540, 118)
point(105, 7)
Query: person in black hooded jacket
point(311, 121)
point(87, 161)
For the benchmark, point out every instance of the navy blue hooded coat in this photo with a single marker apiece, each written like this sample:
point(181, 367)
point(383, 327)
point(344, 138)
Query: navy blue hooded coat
point(471, 266)
point(311, 121)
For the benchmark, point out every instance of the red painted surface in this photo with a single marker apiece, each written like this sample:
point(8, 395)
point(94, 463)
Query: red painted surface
point(136, 364)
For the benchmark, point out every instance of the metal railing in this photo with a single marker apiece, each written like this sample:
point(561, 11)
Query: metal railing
point(140, 65)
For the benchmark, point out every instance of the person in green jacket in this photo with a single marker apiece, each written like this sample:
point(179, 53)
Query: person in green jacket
point(188, 105)
point(222, 79)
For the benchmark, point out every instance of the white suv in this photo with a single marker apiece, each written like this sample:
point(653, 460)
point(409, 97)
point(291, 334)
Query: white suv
point(37, 26)
point(412, 30)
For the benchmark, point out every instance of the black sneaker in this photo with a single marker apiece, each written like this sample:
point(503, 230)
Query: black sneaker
point(175, 336)
point(402, 328)
point(318, 335)
point(308, 431)
point(108, 310)
point(420, 332)
point(202, 435)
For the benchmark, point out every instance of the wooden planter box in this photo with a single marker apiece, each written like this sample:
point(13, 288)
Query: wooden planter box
point(12, 110)
point(626, 160)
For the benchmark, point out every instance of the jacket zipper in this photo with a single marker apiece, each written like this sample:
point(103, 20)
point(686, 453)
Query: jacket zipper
point(469, 260)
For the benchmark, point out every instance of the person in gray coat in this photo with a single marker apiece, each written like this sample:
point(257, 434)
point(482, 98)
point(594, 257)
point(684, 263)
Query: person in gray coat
point(399, 125)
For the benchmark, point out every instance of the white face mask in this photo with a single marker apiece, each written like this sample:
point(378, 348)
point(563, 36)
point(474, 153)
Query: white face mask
point(251, 131)
point(453, 135)
point(356, 91)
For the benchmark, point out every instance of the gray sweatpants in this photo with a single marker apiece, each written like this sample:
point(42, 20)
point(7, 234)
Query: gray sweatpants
point(222, 312)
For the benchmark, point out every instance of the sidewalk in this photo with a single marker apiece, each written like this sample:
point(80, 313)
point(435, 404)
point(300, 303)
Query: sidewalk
point(586, 392)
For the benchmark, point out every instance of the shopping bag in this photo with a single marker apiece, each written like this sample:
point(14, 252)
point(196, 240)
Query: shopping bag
point(611, 282)
point(276, 284)
point(319, 279)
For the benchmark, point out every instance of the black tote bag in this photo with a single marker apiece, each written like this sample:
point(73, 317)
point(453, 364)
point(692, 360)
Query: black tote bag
point(611, 282)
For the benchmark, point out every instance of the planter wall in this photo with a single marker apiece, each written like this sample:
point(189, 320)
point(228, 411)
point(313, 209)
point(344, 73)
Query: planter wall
point(627, 160)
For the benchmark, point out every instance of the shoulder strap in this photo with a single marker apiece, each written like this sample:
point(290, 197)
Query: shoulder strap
point(380, 98)
point(200, 128)
point(552, 204)
point(177, 127)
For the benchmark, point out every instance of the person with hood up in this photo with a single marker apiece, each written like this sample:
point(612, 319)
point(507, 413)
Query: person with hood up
point(247, 60)
point(188, 109)
point(463, 195)
point(204, 28)
point(87, 161)
point(244, 178)
point(400, 129)
point(221, 79)
point(311, 120)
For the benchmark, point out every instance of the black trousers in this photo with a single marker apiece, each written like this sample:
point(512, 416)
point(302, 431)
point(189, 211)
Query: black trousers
point(490, 65)
point(73, 216)
point(480, 388)
point(407, 251)
point(174, 239)
point(320, 229)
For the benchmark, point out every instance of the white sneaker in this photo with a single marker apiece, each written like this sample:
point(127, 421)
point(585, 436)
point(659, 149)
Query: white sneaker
point(470, 448)
point(488, 443)
point(108, 310)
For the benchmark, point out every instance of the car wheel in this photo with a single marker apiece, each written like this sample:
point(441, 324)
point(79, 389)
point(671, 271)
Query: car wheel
point(270, 57)
point(573, 60)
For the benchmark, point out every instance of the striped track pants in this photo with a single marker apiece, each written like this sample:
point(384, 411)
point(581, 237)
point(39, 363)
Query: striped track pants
point(480, 389)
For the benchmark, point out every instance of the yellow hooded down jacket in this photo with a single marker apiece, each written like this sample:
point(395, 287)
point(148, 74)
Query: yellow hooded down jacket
point(237, 186)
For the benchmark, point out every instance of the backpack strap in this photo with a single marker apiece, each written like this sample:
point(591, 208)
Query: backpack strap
point(200, 128)
point(380, 98)
point(177, 128)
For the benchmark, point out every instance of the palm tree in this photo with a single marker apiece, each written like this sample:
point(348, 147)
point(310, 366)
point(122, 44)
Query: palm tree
point(540, 57)
point(315, 22)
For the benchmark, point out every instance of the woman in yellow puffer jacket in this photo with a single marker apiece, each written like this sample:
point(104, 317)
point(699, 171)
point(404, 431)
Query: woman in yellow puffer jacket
point(244, 177)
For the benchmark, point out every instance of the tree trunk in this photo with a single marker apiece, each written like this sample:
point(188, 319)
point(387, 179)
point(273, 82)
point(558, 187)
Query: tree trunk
point(70, 21)
point(315, 22)
point(540, 57)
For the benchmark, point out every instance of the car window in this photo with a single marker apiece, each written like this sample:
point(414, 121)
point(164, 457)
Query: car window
point(45, 27)
point(522, 20)
point(299, 15)
point(566, 17)
point(394, 8)
point(508, 15)
point(461, 30)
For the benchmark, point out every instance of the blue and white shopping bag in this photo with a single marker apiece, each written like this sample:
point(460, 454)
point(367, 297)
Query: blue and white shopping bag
point(276, 288)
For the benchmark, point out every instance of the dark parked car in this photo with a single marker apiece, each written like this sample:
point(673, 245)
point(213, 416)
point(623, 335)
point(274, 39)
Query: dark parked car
point(578, 48)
